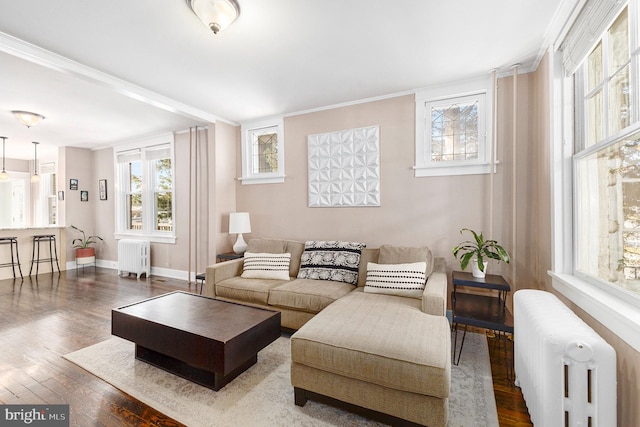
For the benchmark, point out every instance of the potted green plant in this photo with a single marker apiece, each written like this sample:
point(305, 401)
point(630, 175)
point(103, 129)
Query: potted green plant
point(479, 251)
point(85, 254)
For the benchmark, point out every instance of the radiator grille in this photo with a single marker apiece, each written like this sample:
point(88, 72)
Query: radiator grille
point(133, 257)
point(566, 371)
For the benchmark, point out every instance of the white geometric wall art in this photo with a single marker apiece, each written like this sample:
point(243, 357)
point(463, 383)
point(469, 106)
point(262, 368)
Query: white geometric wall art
point(344, 168)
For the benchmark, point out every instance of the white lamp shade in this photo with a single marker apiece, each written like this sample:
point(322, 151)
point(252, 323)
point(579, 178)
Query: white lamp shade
point(239, 223)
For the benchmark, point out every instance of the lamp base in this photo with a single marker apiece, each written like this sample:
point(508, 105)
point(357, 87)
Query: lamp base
point(240, 246)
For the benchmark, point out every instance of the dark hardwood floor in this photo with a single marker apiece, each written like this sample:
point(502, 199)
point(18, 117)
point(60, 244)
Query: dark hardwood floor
point(45, 318)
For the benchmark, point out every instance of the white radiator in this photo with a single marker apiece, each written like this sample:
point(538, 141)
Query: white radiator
point(566, 371)
point(133, 257)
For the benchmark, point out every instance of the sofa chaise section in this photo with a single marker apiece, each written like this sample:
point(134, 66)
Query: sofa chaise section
point(385, 356)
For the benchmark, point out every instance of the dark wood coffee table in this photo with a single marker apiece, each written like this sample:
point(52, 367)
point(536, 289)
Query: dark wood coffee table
point(207, 341)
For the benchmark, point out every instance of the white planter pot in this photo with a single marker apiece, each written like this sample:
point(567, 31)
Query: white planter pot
point(475, 271)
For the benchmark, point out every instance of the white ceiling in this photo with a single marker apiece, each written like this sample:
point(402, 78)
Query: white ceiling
point(107, 71)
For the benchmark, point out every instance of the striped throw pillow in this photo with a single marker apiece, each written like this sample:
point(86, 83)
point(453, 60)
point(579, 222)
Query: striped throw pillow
point(266, 266)
point(406, 280)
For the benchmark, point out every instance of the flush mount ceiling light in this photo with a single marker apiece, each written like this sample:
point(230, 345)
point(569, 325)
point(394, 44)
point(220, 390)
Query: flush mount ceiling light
point(216, 14)
point(27, 118)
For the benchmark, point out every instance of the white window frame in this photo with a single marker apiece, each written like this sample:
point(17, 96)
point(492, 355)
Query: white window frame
point(148, 231)
point(476, 89)
point(615, 308)
point(250, 128)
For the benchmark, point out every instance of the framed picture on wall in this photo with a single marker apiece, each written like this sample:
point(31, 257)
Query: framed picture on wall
point(84, 196)
point(102, 189)
point(73, 184)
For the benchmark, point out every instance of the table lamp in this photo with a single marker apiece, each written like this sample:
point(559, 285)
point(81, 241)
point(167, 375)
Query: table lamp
point(239, 223)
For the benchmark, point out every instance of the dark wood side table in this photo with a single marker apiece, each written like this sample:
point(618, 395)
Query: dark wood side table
point(228, 256)
point(480, 311)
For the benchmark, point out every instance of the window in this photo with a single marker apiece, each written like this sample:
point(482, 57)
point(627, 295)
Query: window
point(144, 199)
point(607, 159)
point(597, 177)
point(263, 152)
point(451, 137)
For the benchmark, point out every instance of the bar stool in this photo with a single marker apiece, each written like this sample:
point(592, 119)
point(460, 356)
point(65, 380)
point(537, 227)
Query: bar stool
point(13, 242)
point(53, 253)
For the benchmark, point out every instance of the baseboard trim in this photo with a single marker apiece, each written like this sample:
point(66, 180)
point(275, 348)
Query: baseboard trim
point(155, 271)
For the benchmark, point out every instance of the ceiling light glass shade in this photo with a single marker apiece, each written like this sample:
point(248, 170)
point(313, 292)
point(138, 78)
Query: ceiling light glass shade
point(4, 176)
point(27, 118)
point(216, 14)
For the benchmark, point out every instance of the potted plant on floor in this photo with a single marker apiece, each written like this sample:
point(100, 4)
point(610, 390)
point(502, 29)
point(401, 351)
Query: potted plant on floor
point(85, 254)
point(479, 251)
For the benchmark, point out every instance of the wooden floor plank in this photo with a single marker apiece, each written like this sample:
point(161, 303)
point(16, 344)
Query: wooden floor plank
point(44, 318)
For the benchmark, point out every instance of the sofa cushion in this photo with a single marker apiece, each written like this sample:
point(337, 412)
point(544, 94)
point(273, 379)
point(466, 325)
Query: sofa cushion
point(331, 260)
point(390, 254)
point(248, 290)
point(386, 341)
point(272, 246)
point(295, 249)
point(405, 280)
point(307, 295)
point(266, 266)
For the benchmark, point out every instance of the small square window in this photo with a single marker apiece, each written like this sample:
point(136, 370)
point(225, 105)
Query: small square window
point(451, 137)
point(263, 152)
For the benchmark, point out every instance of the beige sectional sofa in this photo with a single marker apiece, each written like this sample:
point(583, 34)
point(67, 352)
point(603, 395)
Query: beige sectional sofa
point(300, 299)
point(383, 355)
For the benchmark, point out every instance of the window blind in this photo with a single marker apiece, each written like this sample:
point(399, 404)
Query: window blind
point(129, 156)
point(158, 152)
point(592, 21)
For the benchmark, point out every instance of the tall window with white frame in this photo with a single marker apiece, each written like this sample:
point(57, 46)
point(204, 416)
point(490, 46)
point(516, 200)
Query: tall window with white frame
point(607, 158)
point(145, 188)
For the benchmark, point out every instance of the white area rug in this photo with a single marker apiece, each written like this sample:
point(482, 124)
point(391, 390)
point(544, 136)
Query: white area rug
point(263, 395)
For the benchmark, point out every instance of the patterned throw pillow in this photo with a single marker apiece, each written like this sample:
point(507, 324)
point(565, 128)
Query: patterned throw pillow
point(406, 280)
point(331, 260)
point(266, 266)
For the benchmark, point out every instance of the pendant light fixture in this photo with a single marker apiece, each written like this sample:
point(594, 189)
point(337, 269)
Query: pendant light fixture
point(216, 14)
point(27, 118)
point(35, 177)
point(4, 176)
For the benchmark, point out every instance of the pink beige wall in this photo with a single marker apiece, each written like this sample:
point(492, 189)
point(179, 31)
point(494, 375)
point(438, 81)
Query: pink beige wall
point(77, 163)
point(210, 192)
point(414, 211)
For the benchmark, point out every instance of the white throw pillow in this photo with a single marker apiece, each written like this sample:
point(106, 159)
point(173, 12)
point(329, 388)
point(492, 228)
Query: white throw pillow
point(266, 266)
point(406, 280)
